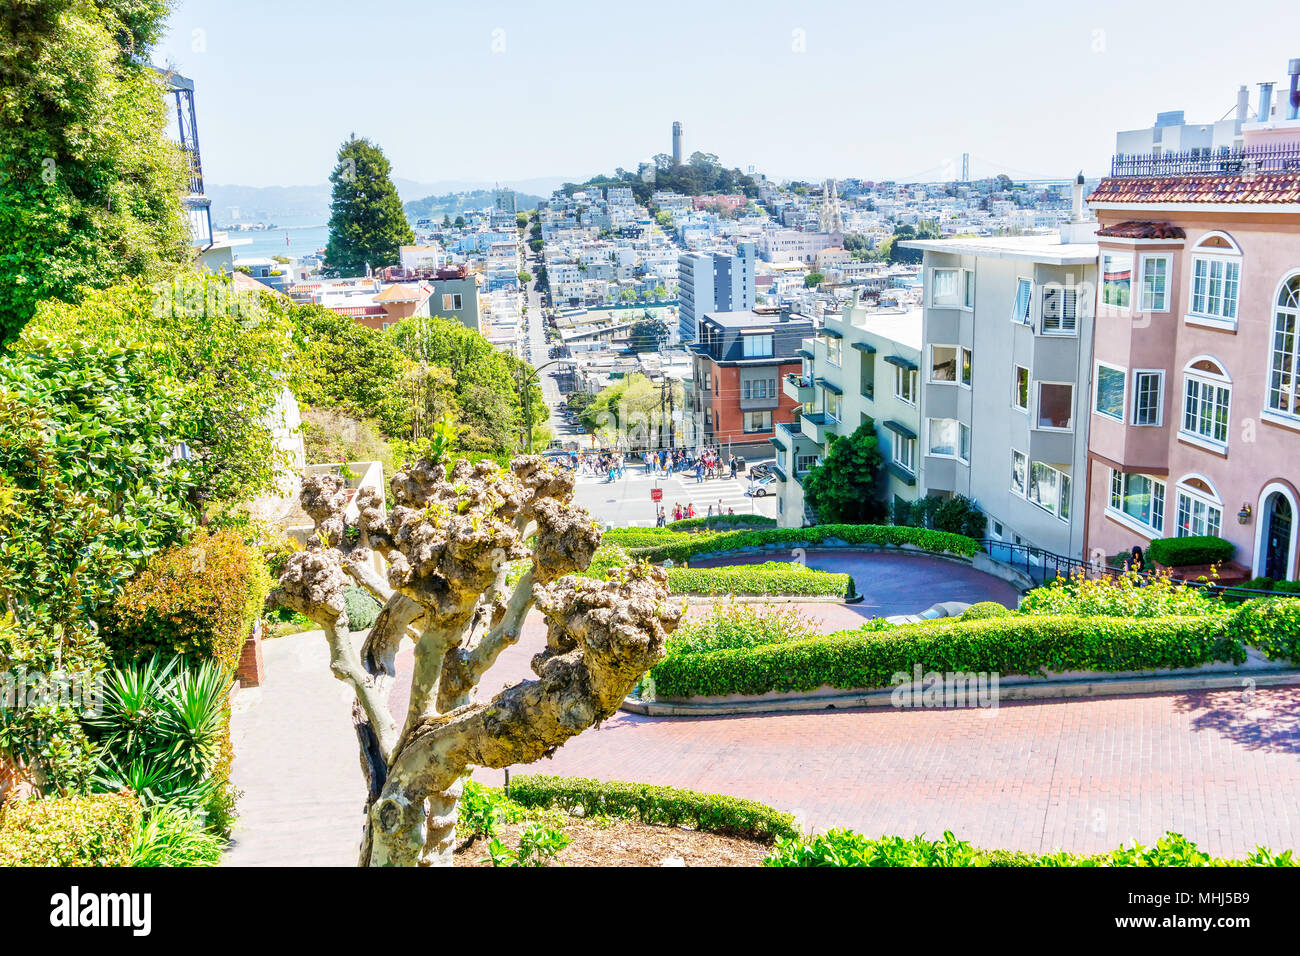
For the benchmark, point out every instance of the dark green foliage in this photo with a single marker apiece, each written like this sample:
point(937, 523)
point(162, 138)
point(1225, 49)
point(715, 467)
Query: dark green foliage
point(659, 544)
point(367, 224)
point(657, 806)
point(955, 514)
point(647, 335)
point(723, 522)
point(1270, 624)
point(770, 577)
point(1191, 550)
point(845, 487)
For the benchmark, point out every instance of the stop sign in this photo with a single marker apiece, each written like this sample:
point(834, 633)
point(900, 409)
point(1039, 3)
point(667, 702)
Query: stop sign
point(656, 494)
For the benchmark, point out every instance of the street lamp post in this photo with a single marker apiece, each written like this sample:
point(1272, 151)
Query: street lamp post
point(527, 401)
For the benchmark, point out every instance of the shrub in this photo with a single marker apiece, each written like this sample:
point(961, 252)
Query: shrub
point(1129, 595)
point(658, 806)
point(97, 830)
point(1017, 644)
point(658, 544)
point(172, 836)
point(984, 609)
point(361, 607)
point(733, 625)
point(726, 522)
point(198, 600)
point(770, 577)
point(330, 436)
point(1271, 624)
point(847, 848)
point(1192, 550)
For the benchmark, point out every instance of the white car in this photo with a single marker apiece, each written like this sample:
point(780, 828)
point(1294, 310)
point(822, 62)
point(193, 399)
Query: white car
point(758, 486)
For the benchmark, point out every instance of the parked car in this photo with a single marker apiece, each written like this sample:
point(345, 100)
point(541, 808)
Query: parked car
point(758, 486)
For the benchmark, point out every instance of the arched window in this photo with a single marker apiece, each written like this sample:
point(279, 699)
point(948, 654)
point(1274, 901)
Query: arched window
point(1284, 356)
point(1200, 509)
point(1207, 397)
point(1216, 281)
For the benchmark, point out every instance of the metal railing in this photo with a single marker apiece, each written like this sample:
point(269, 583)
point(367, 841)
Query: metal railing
point(1278, 157)
point(1047, 566)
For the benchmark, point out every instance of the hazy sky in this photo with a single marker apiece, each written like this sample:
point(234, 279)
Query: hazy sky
point(496, 90)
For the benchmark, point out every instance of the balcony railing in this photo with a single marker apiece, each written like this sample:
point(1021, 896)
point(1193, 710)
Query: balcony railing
point(1278, 157)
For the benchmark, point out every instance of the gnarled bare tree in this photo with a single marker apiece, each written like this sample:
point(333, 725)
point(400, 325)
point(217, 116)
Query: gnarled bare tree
point(449, 542)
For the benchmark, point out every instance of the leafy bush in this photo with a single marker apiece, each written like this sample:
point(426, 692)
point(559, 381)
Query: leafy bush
point(770, 577)
point(1191, 550)
point(97, 830)
point(727, 522)
point(956, 515)
point(1128, 595)
point(362, 608)
point(172, 836)
point(1271, 624)
point(330, 436)
point(731, 625)
point(160, 731)
point(984, 609)
point(659, 806)
point(847, 848)
point(198, 600)
point(1017, 644)
point(658, 544)
point(538, 845)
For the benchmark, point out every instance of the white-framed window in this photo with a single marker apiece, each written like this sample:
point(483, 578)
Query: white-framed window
point(1019, 472)
point(758, 421)
point(1149, 396)
point(1207, 400)
point(968, 289)
point(1155, 284)
point(832, 405)
point(903, 452)
point(948, 438)
point(1215, 282)
point(1024, 296)
point(1060, 309)
point(1200, 509)
point(452, 300)
point(966, 370)
point(804, 463)
point(1138, 500)
point(905, 384)
point(945, 288)
point(1108, 391)
point(1284, 351)
point(1116, 279)
point(943, 364)
point(1049, 488)
point(758, 389)
point(1054, 408)
point(834, 351)
point(708, 414)
point(757, 346)
point(1020, 389)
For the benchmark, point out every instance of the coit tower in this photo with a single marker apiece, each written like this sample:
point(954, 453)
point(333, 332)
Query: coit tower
point(677, 143)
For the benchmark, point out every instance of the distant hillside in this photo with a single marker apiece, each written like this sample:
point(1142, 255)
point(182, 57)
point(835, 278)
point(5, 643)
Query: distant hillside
point(453, 204)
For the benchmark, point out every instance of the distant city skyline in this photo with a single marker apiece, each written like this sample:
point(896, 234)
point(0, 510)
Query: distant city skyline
point(513, 91)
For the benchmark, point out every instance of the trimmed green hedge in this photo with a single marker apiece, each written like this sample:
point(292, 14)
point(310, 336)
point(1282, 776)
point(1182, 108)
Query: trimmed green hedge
point(847, 848)
point(770, 577)
point(1017, 644)
point(659, 806)
point(1270, 624)
point(726, 522)
point(1191, 550)
point(680, 547)
point(97, 830)
point(985, 609)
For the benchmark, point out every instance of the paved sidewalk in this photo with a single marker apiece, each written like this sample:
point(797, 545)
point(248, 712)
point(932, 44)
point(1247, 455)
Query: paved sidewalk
point(1221, 767)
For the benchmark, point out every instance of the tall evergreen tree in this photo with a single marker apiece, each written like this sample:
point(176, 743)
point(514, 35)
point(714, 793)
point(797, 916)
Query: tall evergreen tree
point(90, 183)
point(367, 225)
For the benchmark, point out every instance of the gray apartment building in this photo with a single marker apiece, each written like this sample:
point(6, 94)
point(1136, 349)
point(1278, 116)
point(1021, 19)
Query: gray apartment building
point(1006, 382)
point(713, 282)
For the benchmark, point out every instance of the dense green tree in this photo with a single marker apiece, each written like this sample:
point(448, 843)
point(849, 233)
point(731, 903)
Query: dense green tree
point(90, 184)
point(845, 487)
point(812, 280)
point(647, 334)
point(367, 224)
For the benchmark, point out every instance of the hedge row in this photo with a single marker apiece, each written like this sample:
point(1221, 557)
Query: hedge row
point(1016, 644)
point(684, 548)
point(727, 522)
point(847, 848)
point(97, 830)
point(654, 805)
point(776, 578)
point(1191, 550)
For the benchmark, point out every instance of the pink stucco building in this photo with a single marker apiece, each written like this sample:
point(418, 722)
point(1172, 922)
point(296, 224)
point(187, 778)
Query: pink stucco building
point(1195, 419)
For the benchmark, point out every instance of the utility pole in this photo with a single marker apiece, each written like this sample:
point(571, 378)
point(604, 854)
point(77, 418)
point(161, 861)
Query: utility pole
point(671, 435)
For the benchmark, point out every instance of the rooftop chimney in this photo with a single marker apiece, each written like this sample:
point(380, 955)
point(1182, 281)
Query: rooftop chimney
point(1293, 108)
point(1243, 106)
point(1265, 102)
point(1078, 197)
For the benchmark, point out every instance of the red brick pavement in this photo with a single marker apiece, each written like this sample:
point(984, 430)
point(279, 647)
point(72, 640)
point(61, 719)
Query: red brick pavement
point(1084, 775)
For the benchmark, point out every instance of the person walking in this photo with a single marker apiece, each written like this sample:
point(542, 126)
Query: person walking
point(733, 467)
point(699, 472)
